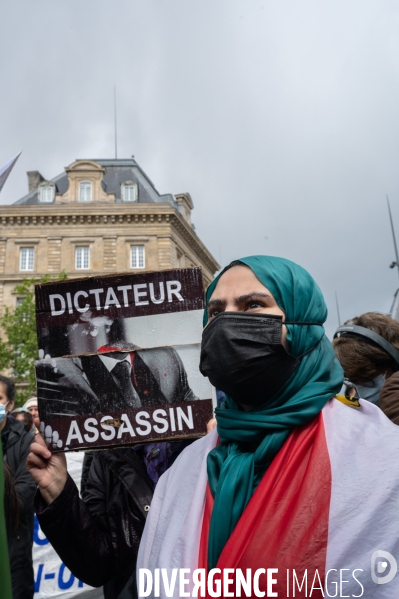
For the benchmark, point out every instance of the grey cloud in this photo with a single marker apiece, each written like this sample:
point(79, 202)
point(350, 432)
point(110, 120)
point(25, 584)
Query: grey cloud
point(280, 119)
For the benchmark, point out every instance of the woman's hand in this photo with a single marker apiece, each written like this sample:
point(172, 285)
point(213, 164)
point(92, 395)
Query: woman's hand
point(49, 470)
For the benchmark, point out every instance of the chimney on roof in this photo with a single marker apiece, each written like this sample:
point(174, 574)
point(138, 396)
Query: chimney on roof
point(34, 180)
point(185, 203)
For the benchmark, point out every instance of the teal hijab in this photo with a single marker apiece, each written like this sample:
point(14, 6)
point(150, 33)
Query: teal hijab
point(233, 471)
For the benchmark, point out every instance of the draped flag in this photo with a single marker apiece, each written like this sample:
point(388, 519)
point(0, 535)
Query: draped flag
point(6, 170)
point(5, 578)
point(324, 517)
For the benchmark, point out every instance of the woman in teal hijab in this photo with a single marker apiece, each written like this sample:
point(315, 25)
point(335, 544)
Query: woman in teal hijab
point(252, 433)
point(289, 486)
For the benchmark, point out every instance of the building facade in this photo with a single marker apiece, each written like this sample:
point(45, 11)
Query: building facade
point(97, 217)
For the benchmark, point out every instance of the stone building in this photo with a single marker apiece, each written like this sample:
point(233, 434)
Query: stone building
point(97, 217)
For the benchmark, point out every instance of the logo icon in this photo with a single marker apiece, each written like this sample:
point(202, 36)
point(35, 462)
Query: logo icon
point(379, 565)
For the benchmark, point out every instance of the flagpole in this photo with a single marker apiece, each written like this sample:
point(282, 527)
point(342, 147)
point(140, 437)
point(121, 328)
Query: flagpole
point(394, 238)
point(336, 301)
point(116, 139)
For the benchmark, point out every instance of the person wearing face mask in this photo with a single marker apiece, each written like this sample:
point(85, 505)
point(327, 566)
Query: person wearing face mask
point(20, 491)
point(274, 484)
point(367, 348)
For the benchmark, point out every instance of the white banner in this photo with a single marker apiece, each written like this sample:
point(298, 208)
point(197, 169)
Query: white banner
point(53, 580)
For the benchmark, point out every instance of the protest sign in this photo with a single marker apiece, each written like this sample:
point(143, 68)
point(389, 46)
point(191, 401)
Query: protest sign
point(119, 359)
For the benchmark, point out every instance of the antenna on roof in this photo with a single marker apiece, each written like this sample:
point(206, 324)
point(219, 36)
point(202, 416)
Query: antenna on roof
point(394, 239)
point(116, 137)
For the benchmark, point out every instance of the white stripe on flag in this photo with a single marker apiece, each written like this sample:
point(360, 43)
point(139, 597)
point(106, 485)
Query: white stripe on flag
point(172, 532)
point(363, 446)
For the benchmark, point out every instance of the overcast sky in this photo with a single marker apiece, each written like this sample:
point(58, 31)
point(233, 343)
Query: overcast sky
point(280, 117)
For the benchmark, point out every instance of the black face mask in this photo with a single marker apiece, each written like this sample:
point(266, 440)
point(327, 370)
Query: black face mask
point(242, 354)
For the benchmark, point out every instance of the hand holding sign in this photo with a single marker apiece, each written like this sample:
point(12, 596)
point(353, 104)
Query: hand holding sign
point(48, 469)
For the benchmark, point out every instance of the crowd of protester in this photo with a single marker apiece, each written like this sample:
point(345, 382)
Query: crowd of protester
point(266, 352)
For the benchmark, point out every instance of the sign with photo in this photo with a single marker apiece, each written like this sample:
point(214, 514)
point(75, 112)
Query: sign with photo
point(119, 360)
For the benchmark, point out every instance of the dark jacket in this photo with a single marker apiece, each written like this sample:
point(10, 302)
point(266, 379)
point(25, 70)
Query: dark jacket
point(98, 537)
point(16, 449)
point(83, 385)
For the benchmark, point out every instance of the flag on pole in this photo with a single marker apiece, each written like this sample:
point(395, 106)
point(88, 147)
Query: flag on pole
point(5, 577)
point(6, 170)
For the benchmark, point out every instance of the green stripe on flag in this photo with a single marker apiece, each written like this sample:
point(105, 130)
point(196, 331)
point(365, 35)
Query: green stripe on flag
point(5, 578)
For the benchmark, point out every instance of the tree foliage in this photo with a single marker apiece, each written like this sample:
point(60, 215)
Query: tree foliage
point(18, 342)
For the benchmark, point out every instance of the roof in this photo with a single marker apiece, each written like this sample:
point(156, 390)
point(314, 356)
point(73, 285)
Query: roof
point(116, 172)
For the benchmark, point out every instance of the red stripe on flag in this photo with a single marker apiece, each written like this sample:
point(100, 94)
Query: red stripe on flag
point(203, 551)
point(285, 524)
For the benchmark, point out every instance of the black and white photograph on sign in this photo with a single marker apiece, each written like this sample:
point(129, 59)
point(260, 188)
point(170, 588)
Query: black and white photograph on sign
point(93, 333)
point(119, 380)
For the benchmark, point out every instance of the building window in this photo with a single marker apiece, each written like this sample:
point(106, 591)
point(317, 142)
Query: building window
point(26, 256)
point(129, 191)
point(46, 193)
point(82, 257)
point(85, 191)
point(137, 256)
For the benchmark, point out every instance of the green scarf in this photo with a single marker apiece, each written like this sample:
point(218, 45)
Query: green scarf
point(233, 471)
